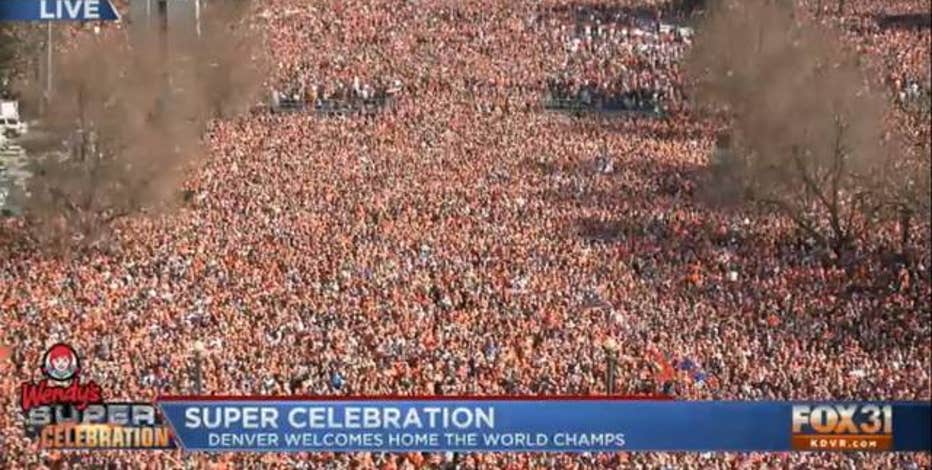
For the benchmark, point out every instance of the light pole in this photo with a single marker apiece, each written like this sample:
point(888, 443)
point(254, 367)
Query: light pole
point(199, 349)
point(197, 17)
point(48, 63)
point(162, 12)
point(611, 356)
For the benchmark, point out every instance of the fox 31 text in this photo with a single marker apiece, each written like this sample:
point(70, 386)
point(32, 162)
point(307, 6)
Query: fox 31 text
point(842, 426)
point(100, 426)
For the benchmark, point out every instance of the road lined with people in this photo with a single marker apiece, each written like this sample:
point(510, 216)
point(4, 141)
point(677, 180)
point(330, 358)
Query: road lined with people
point(465, 241)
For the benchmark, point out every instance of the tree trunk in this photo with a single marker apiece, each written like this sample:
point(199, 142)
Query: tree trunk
point(905, 226)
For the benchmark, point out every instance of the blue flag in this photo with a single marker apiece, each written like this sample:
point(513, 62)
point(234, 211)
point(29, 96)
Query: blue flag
point(336, 380)
point(687, 364)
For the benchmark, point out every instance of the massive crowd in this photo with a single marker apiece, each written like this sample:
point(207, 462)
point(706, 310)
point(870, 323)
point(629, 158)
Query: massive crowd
point(468, 242)
point(616, 52)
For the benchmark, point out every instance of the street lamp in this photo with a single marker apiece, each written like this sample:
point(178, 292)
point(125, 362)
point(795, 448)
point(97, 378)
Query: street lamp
point(48, 65)
point(197, 17)
point(199, 349)
point(611, 355)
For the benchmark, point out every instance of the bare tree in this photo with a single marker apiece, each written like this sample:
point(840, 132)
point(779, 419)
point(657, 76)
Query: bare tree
point(8, 46)
point(808, 129)
point(131, 119)
point(906, 190)
point(828, 198)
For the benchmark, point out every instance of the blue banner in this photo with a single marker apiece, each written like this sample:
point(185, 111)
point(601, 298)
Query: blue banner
point(57, 10)
point(544, 425)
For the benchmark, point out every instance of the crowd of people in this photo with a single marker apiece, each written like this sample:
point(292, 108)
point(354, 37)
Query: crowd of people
point(468, 242)
point(887, 41)
point(332, 98)
point(622, 57)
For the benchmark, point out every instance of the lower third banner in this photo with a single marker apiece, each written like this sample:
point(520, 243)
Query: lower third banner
point(545, 425)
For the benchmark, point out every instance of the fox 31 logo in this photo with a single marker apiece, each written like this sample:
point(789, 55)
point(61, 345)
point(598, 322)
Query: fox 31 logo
point(843, 426)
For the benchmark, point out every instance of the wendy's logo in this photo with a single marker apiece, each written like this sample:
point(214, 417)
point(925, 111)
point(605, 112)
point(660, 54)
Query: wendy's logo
point(62, 367)
point(61, 363)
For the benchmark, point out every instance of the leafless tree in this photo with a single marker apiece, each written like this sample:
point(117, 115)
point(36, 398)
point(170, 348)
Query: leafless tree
point(808, 129)
point(130, 119)
point(827, 196)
